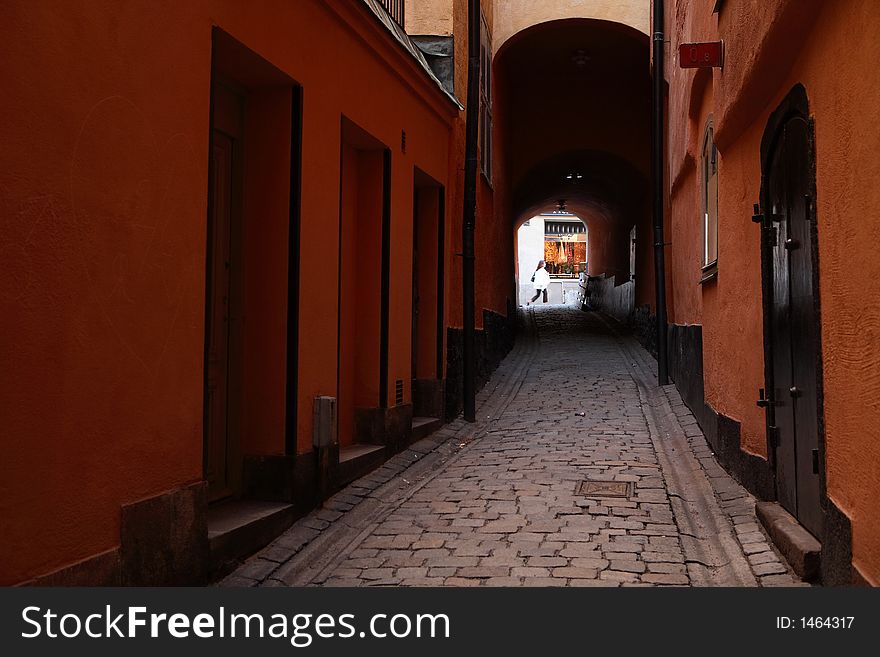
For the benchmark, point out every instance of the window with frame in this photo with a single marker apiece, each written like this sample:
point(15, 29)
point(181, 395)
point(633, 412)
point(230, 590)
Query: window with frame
point(709, 165)
point(485, 100)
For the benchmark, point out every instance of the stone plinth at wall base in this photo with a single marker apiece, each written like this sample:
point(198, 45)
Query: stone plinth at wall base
point(798, 546)
point(837, 562)
point(269, 477)
point(100, 570)
point(491, 344)
point(286, 478)
point(164, 539)
point(428, 397)
point(384, 426)
point(858, 579)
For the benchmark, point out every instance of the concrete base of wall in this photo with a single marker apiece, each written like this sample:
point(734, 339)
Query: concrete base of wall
point(164, 539)
point(281, 478)
point(384, 426)
point(685, 349)
point(492, 343)
point(269, 477)
point(428, 397)
point(163, 542)
point(101, 570)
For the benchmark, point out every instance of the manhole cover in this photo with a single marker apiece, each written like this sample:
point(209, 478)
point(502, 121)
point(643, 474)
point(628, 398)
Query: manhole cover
point(603, 488)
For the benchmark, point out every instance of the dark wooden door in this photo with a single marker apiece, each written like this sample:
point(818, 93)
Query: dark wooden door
point(794, 326)
point(220, 426)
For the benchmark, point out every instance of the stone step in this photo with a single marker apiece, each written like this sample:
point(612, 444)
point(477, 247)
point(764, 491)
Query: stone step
point(799, 547)
point(424, 426)
point(357, 460)
point(238, 528)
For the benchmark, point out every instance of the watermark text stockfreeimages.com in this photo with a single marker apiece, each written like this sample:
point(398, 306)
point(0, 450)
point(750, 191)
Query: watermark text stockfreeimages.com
point(300, 629)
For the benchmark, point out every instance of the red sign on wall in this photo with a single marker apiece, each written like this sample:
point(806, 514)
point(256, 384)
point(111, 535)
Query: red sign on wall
point(701, 55)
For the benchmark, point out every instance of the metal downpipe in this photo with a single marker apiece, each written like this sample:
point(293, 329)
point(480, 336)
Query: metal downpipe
point(469, 365)
point(657, 134)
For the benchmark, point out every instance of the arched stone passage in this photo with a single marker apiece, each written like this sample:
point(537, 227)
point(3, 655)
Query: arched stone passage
point(573, 123)
point(606, 192)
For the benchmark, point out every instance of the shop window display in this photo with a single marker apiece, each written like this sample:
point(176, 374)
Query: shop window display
point(565, 249)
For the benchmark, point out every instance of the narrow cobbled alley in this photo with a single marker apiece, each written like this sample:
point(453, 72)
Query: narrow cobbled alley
point(580, 471)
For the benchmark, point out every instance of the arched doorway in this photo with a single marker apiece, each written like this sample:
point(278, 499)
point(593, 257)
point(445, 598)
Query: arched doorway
point(793, 361)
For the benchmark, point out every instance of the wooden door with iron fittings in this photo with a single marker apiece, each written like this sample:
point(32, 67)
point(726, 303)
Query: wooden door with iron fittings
point(794, 326)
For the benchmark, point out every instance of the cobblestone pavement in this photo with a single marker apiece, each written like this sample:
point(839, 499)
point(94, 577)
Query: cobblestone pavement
point(496, 503)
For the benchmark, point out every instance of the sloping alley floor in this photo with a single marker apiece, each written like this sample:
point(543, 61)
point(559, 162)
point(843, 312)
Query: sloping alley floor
point(580, 471)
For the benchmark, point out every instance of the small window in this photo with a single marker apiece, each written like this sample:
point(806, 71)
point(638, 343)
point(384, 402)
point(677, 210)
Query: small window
point(709, 165)
point(485, 100)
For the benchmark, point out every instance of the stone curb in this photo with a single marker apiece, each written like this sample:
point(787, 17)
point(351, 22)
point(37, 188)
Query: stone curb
point(357, 505)
point(770, 568)
point(736, 504)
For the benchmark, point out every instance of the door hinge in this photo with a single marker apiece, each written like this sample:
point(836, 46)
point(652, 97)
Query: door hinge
point(815, 461)
point(763, 399)
point(757, 217)
point(766, 220)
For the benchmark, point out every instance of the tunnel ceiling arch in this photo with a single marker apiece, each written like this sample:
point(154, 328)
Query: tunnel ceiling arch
point(576, 96)
point(593, 184)
point(512, 17)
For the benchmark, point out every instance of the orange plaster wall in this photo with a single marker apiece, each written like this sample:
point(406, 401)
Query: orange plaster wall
point(266, 219)
point(732, 311)
point(428, 209)
point(410, 104)
point(360, 308)
point(755, 80)
point(348, 290)
point(685, 228)
point(103, 194)
point(494, 253)
point(400, 290)
point(848, 208)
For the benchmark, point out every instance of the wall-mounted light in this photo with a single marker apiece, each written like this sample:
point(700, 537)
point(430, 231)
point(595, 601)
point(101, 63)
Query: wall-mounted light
point(581, 58)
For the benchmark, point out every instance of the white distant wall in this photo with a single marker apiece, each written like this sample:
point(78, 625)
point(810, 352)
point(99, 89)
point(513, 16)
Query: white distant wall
point(530, 245)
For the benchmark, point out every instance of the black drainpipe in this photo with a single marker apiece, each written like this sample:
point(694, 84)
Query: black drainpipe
point(470, 211)
point(657, 159)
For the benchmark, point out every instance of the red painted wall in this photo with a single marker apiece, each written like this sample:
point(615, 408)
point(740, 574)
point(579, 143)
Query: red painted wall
point(103, 187)
point(265, 241)
point(426, 217)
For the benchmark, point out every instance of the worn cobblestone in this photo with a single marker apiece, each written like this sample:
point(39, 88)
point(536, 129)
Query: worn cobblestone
point(502, 509)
